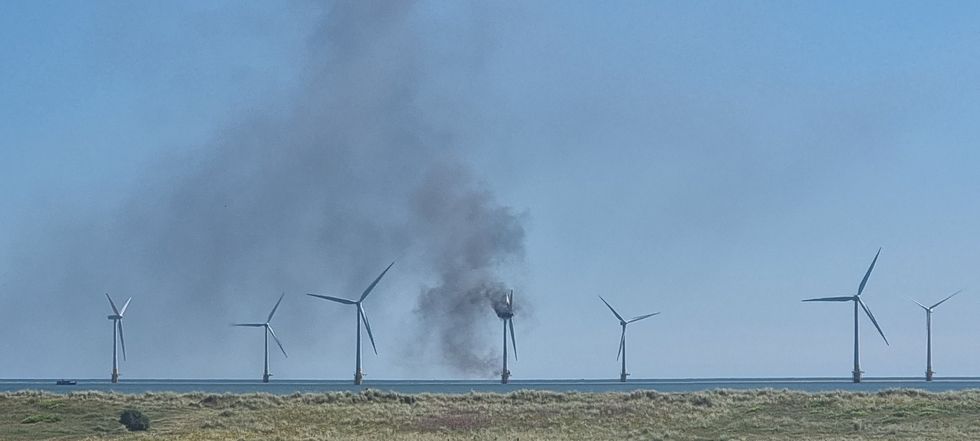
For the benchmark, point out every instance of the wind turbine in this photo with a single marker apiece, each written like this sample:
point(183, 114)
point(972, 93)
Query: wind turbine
point(268, 330)
point(929, 309)
point(116, 317)
point(361, 316)
point(622, 339)
point(506, 313)
point(857, 302)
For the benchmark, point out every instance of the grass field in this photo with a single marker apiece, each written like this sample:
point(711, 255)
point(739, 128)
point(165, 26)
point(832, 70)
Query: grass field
point(525, 415)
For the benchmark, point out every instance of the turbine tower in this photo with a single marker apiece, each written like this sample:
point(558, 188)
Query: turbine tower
point(506, 313)
point(361, 316)
point(116, 317)
point(268, 330)
point(857, 302)
point(929, 309)
point(622, 339)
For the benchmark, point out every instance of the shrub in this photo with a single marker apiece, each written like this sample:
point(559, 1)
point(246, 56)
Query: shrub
point(134, 420)
point(41, 418)
point(701, 400)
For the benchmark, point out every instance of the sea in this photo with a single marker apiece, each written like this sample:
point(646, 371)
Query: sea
point(286, 387)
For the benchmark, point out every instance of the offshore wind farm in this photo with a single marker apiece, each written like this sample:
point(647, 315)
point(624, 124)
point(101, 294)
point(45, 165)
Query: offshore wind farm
point(502, 194)
point(501, 303)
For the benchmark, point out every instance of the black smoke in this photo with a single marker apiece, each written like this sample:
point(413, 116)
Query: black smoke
point(348, 176)
point(471, 235)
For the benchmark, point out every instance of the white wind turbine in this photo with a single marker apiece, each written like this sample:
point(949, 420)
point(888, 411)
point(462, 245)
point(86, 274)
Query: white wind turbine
point(116, 317)
point(857, 302)
point(928, 310)
point(622, 339)
point(361, 317)
point(268, 330)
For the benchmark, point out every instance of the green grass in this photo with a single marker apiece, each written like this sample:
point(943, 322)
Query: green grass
point(525, 415)
point(40, 418)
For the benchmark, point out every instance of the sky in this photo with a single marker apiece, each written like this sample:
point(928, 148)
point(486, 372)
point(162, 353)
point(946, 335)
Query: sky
point(714, 161)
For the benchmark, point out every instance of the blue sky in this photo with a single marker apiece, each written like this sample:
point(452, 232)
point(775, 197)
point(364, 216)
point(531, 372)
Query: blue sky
point(717, 162)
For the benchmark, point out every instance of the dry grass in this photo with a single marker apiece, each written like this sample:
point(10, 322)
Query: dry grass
point(526, 415)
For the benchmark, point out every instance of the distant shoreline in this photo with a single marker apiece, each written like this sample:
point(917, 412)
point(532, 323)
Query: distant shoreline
point(288, 387)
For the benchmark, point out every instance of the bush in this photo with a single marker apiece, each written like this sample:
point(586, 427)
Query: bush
point(134, 420)
point(40, 418)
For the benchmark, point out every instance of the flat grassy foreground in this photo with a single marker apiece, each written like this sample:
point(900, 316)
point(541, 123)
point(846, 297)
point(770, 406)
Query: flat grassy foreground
point(525, 415)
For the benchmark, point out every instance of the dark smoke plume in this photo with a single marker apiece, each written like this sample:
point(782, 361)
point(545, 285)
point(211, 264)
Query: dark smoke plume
point(321, 193)
point(470, 235)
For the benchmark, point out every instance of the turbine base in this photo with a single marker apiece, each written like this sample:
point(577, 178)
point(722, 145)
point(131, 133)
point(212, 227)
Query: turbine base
point(358, 377)
point(265, 377)
point(115, 375)
point(622, 377)
point(929, 375)
point(505, 377)
point(856, 375)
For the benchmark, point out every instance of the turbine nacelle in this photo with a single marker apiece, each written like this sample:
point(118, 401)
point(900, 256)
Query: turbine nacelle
point(504, 309)
point(117, 313)
point(930, 308)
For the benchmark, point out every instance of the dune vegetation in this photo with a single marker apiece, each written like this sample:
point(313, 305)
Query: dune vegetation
point(524, 415)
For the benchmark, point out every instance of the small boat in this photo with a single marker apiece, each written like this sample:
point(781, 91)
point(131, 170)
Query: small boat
point(66, 382)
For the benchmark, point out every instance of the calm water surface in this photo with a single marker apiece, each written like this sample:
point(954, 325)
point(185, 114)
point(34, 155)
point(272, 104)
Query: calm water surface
point(458, 387)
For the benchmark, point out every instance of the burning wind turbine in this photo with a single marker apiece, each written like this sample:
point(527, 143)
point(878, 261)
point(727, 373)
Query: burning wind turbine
point(505, 310)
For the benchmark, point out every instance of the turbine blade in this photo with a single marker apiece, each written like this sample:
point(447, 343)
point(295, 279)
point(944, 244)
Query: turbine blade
point(125, 305)
point(864, 281)
point(375, 282)
point(274, 308)
point(513, 340)
point(831, 299)
point(947, 298)
point(367, 325)
point(611, 309)
point(872, 317)
point(251, 325)
point(921, 305)
point(636, 319)
point(510, 300)
point(112, 304)
point(121, 339)
point(274, 337)
point(334, 299)
point(622, 342)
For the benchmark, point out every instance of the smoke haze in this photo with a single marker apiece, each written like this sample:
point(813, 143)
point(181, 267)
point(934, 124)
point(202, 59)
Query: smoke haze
point(714, 161)
point(469, 235)
point(344, 179)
